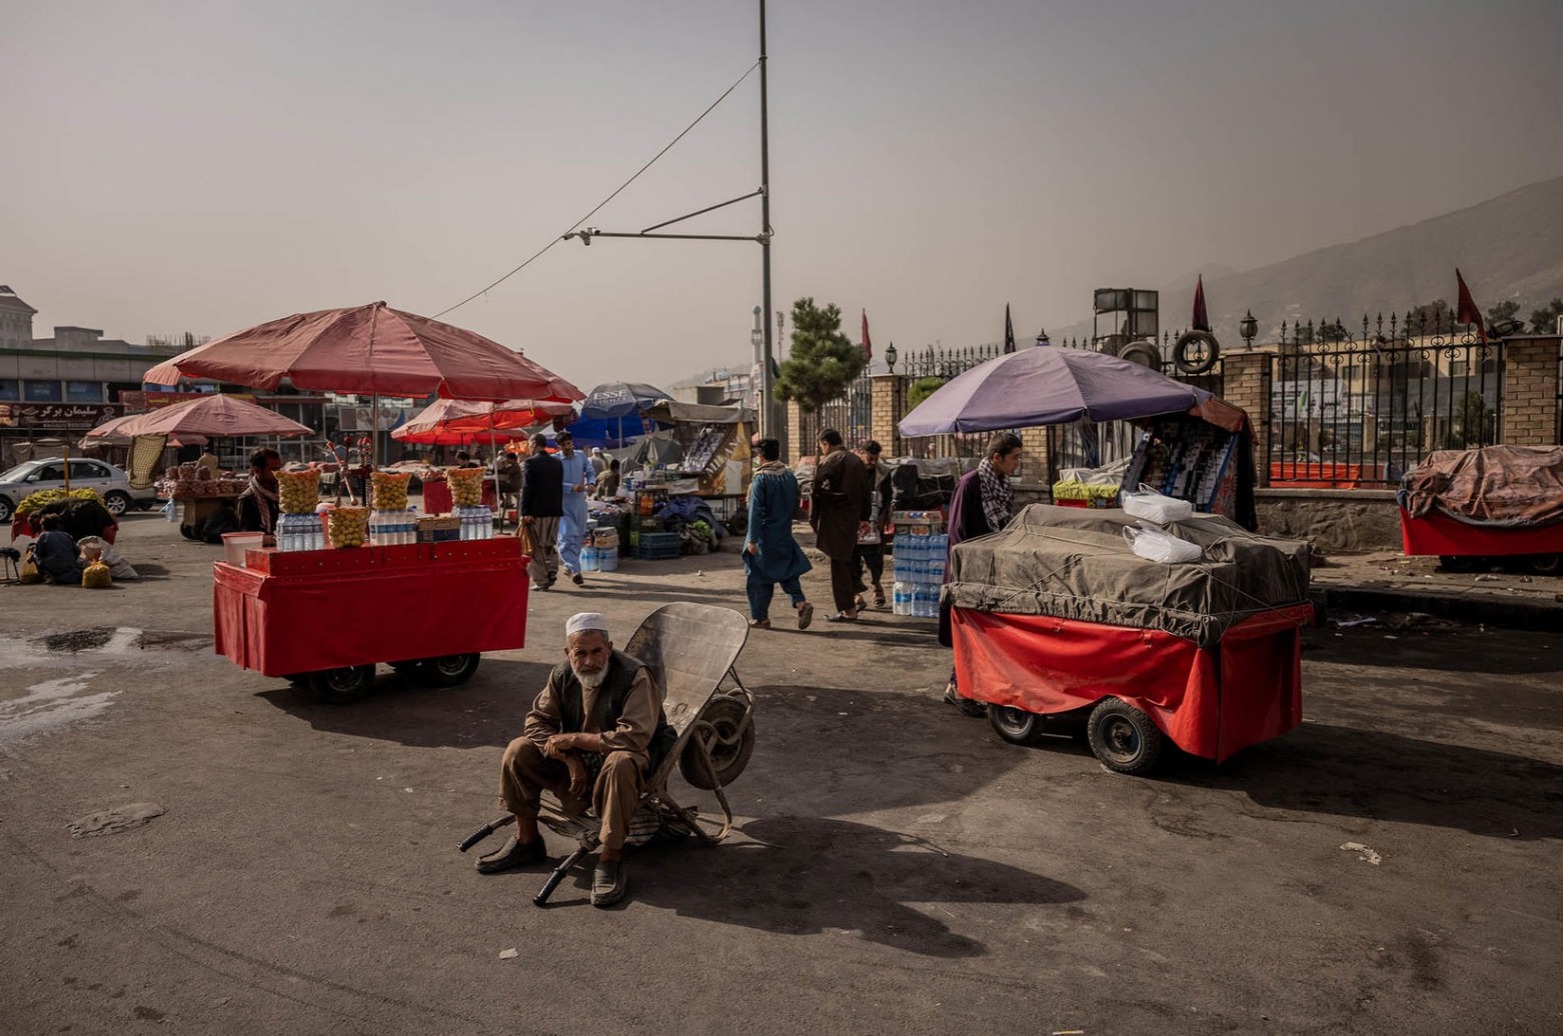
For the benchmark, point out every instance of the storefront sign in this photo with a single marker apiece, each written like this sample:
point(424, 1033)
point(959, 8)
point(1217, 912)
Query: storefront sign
point(56, 415)
point(136, 401)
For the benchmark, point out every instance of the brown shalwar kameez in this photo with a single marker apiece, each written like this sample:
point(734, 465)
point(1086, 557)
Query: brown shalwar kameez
point(839, 501)
point(525, 771)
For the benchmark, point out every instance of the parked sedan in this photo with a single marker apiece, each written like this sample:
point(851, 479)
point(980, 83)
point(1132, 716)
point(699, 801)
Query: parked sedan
point(111, 483)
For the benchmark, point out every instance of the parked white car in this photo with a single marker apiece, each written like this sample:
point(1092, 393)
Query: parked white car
point(111, 483)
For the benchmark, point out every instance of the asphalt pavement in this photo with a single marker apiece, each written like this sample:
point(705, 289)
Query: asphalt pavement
point(188, 847)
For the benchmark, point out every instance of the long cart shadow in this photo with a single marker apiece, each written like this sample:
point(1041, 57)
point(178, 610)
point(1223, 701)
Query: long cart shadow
point(1438, 646)
point(487, 711)
point(799, 875)
point(1348, 772)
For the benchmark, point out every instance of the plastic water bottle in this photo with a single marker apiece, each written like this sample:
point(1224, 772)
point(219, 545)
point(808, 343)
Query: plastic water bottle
point(901, 599)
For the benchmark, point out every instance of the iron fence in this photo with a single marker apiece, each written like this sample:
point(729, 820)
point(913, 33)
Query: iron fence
point(926, 370)
point(851, 415)
point(1349, 410)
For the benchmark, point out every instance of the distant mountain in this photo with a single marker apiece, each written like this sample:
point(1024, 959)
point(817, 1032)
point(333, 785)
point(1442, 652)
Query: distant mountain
point(1510, 247)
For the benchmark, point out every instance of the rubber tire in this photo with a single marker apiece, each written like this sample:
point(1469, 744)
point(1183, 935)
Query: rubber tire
point(117, 503)
point(449, 670)
point(1124, 738)
point(1459, 562)
point(1545, 564)
point(342, 686)
point(7, 512)
point(729, 755)
point(1017, 726)
point(1184, 347)
point(1143, 353)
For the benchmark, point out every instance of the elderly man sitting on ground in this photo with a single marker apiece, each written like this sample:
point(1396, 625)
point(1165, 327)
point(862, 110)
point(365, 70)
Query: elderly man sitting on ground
point(591, 738)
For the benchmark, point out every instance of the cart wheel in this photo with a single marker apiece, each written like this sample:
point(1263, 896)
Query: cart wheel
point(738, 524)
point(342, 686)
point(730, 747)
point(1546, 564)
point(1123, 737)
point(1017, 726)
point(449, 670)
point(1458, 562)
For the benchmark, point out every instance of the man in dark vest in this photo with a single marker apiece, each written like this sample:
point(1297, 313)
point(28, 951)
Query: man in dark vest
point(592, 738)
point(542, 504)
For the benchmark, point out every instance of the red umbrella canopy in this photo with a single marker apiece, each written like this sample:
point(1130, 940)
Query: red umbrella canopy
point(108, 434)
point(463, 415)
point(367, 350)
point(213, 415)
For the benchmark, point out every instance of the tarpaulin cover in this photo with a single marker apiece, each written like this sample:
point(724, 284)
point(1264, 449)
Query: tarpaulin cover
point(1436, 533)
point(1075, 564)
point(1492, 485)
point(1211, 701)
point(452, 422)
point(672, 411)
point(367, 349)
point(283, 625)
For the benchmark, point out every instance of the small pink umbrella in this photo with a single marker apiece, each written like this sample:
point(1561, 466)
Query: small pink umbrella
point(213, 415)
point(368, 350)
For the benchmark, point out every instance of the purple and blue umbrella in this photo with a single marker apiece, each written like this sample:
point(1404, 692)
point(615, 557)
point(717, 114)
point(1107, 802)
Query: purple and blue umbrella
point(1049, 386)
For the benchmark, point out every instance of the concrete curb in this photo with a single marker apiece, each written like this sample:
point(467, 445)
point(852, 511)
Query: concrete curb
point(1490, 609)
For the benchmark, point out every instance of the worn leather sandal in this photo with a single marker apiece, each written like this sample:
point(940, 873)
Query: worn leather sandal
point(805, 615)
point(609, 883)
point(512, 854)
point(759, 624)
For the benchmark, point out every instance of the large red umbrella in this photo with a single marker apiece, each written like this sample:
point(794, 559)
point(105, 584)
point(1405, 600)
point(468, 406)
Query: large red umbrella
point(458, 422)
point(108, 434)
point(213, 415)
point(368, 350)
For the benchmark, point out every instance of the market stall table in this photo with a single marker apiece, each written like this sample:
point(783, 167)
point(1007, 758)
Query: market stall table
point(437, 498)
point(328, 616)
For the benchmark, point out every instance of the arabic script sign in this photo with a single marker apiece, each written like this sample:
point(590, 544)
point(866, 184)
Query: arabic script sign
point(56, 415)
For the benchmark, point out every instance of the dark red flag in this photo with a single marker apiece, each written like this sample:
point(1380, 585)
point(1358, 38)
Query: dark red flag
point(868, 346)
point(1201, 320)
point(1467, 313)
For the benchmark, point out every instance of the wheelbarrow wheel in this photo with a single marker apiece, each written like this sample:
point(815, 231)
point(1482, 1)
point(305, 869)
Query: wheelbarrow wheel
point(1546, 564)
point(449, 670)
point(1123, 737)
point(344, 685)
point(1017, 726)
point(730, 743)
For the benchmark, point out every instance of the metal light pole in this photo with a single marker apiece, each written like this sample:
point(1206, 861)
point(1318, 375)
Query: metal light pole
point(769, 426)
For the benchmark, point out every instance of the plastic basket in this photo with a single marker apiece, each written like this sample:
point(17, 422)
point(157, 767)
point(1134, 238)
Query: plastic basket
point(657, 546)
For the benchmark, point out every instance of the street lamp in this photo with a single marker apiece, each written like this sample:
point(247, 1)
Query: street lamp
point(1248, 327)
point(1042, 338)
point(890, 357)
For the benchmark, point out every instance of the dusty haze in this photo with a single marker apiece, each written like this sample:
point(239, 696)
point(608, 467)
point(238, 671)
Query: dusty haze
point(202, 167)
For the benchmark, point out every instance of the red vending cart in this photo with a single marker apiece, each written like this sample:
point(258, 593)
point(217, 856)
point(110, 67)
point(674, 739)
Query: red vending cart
point(1056, 616)
point(1471, 507)
point(327, 617)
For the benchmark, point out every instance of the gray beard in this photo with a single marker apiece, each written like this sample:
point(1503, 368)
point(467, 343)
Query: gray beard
point(590, 681)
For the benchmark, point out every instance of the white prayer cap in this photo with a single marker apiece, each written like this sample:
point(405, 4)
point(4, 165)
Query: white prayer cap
point(583, 621)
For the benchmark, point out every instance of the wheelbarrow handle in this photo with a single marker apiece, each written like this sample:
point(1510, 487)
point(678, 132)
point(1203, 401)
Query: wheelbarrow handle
point(483, 832)
point(541, 899)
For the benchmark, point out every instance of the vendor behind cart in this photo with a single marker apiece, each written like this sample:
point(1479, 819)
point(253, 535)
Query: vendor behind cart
point(258, 504)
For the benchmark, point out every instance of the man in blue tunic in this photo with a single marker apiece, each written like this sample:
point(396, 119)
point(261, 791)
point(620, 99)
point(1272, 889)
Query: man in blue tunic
point(771, 555)
point(579, 480)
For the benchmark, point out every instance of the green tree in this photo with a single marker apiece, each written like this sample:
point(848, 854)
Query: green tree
point(823, 361)
point(1544, 321)
point(1429, 318)
point(1475, 424)
point(1504, 310)
point(920, 390)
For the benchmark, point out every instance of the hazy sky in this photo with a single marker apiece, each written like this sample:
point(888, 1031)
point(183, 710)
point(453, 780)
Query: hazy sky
point(205, 166)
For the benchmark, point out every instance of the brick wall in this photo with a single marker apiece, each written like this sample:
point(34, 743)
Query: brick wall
point(1245, 379)
point(1529, 415)
point(887, 407)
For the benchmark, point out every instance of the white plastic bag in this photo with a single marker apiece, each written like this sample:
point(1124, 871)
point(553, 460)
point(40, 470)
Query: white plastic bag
point(1155, 544)
point(1153, 506)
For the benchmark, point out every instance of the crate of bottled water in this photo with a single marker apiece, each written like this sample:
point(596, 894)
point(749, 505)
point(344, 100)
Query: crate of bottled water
point(918, 568)
point(393, 528)
point(477, 522)
point(300, 532)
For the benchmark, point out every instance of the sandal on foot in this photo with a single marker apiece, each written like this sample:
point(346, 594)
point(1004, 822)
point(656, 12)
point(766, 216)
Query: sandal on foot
point(964, 705)
point(512, 854)
point(759, 624)
point(805, 615)
point(842, 617)
point(609, 882)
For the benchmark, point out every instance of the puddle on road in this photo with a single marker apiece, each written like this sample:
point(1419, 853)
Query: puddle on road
point(84, 654)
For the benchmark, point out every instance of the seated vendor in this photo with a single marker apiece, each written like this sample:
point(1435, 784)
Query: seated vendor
point(55, 553)
point(590, 738)
point(258, 504)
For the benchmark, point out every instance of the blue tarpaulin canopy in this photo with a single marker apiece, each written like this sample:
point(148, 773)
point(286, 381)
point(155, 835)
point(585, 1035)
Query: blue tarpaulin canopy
point(613, 413)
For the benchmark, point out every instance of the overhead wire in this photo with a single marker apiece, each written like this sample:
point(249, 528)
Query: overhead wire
point(539, 253)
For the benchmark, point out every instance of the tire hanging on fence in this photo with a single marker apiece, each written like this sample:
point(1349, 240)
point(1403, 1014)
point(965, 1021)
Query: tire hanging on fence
point(1196, 352)
point(1143, 353)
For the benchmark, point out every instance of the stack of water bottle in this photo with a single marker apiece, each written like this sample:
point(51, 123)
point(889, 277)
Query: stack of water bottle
point(300, 532)
point(393, 528)
point(477, 522)
point(918, 558)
